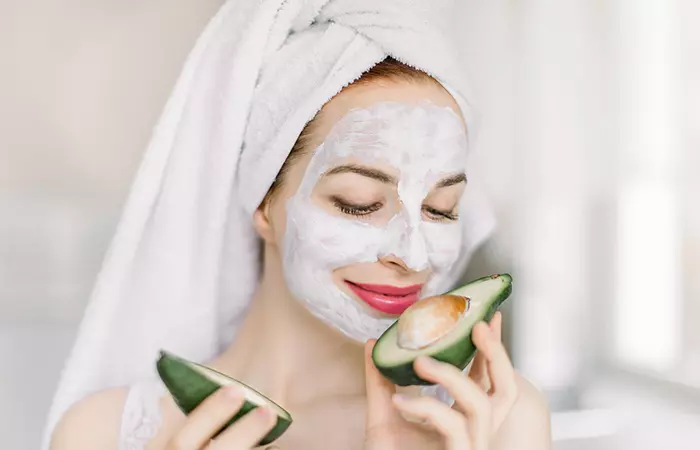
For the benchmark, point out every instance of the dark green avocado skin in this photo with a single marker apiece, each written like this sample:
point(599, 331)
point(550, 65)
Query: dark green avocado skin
point(457, 355)
point(189, 388)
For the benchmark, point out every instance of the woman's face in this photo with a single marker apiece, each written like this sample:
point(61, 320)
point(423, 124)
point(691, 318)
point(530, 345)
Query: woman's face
point(368, 221)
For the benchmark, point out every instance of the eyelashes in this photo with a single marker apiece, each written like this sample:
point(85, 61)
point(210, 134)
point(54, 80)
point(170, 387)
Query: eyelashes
point(365, 210)
point(436, 214)
point(356, 210)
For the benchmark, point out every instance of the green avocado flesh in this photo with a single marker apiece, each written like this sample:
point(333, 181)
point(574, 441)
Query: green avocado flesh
point(190, 383)
point(456, 347)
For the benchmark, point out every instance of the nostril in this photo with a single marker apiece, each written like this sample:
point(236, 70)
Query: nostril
point(400, 265)
point(395, 262)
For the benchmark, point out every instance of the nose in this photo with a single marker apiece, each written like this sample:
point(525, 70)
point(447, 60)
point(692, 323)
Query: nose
point(415, 253)
point(394, 262)
point(411, 254)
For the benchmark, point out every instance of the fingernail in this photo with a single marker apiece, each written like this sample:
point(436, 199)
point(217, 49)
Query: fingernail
point(265, 412)
point(233, 392)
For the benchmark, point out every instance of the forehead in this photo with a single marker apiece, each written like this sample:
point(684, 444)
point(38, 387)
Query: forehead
point(399, 126)
point(365, 95)
point(422, 136)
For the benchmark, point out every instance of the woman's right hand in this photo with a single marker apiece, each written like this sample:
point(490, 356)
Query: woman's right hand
point(213, 413)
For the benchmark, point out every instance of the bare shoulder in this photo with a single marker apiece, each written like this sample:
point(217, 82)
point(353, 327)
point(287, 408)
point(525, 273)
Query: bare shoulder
point(528, 426)
point(91, 423)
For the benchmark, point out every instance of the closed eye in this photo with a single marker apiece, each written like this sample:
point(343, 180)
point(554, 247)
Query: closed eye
point(438, 215)
point(354, 209)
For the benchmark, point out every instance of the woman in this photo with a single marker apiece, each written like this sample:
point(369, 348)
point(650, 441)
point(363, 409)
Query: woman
point(368, 211)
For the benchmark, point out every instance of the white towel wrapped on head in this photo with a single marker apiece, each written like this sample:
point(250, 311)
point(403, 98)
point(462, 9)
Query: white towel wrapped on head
point(185, 256)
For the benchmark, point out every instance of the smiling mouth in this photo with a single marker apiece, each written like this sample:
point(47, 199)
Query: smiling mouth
point(386, 298)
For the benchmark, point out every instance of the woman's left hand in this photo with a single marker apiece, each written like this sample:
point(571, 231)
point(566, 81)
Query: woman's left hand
point(483, 399)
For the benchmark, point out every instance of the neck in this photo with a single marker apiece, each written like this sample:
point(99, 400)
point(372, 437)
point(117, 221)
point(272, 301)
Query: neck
point(286, 353)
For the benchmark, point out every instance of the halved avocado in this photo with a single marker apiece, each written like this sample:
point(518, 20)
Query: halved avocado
point(190, 383)
point(439, 327)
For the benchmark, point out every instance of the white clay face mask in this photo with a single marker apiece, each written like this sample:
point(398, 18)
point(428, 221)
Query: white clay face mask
point(424, 143)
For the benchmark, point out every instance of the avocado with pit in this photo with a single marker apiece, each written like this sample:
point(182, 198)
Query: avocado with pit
point(190, 383)
point(440, 327)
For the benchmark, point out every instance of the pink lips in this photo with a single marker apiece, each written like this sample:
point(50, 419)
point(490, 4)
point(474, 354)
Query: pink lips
point(385, 298)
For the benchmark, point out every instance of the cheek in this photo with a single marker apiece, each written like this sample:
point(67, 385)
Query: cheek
point(444, 242)
point(316, 238)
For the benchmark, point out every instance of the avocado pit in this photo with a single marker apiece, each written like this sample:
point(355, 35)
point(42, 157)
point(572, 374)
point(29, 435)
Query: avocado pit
point(429, 319)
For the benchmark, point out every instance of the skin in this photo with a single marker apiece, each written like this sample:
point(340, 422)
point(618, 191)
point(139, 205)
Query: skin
point(323, 379)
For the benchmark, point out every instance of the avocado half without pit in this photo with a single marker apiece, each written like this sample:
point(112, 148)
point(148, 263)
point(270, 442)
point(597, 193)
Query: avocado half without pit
point(440, 327)
point(190, 383)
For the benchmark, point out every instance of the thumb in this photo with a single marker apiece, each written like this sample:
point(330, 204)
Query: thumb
point(380, 409)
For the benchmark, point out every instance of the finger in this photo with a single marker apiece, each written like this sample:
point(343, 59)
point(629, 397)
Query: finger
point(500, 369)
point(479, 372)
point(497, 325)
point(448, 422)
point(208, 418)
point(247, 431)
point(468, 396)
point(380, 409)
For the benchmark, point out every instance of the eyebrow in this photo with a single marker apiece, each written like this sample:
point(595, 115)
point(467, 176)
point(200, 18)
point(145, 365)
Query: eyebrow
point(384, 177)
point(452, 180)
point(368, 172)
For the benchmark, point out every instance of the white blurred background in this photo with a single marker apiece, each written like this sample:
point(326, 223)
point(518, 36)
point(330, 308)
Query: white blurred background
point(589, 145)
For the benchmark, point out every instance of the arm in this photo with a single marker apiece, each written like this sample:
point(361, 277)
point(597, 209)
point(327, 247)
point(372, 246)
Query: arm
point(528, 425)
point(91, 423)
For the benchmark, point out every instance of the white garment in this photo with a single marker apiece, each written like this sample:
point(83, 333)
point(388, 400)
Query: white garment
point(185, 248)
point(142, 416)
